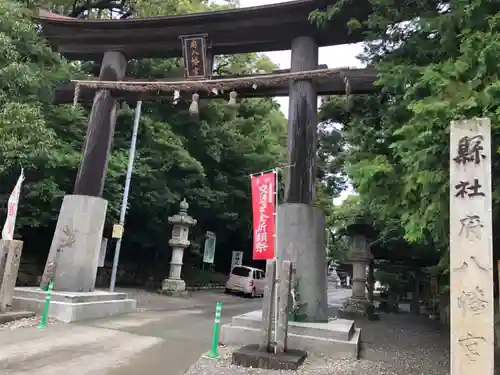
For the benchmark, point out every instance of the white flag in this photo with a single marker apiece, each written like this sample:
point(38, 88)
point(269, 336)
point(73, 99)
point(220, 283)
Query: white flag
point(10, 222)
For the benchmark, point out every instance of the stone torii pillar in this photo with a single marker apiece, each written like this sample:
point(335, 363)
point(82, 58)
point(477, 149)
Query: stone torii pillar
point(73, 256)
point(301, 226)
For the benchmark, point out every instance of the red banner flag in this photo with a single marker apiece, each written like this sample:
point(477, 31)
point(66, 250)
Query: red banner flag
point(263, 201)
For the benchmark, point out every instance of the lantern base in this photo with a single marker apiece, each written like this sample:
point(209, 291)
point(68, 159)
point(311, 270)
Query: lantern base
point(357, 308)
point(176, 288)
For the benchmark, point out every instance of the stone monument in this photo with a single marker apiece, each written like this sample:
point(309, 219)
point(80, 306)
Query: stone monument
point(472, 339)
point(360, 257)
point(181, 222)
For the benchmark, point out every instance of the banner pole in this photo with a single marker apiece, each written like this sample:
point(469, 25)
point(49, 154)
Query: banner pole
point(276, 256)
point(126, 189)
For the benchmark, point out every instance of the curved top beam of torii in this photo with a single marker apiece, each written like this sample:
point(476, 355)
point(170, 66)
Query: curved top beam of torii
point(240, 30)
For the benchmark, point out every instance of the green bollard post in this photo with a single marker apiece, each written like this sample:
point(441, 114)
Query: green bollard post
point(214, 353)
point(43, 321)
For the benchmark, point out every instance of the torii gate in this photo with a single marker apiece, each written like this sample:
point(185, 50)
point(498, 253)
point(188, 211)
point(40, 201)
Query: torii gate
point(275, 27)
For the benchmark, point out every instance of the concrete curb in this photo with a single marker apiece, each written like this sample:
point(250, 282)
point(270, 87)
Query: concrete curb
point(205, 287)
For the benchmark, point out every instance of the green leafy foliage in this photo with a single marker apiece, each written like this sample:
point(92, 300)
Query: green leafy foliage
point(206, 160)
point(436, 62)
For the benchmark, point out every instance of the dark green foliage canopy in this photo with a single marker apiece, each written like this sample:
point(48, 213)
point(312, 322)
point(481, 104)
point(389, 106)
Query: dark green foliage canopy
point(437, 61)
point(206, 160)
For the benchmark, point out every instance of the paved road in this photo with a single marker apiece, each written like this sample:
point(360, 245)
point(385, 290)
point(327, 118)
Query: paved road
point(150, 342)
point(165, 338)
point(336, 297)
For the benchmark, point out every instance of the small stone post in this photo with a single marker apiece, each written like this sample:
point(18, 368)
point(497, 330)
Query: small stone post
point(4, 251)
point(371, 281)
point(360, 256)
point(174, 285)
point(13, 248)
point(267, 306)
point(284, 306)
point(415, 298)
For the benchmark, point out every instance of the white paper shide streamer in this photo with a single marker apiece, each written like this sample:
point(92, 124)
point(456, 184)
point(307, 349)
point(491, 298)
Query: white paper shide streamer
point(10, 222)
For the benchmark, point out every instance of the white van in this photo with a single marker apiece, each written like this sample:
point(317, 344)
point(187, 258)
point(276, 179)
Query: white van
point(247, 280)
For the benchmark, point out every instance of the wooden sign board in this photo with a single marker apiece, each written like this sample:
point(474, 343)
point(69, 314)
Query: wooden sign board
point(209, 250)
point(194, 51)
point(471, 248)
point(236, 259)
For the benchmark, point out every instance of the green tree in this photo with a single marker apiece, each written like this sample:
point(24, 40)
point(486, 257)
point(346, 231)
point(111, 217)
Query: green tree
point(29, 71)
point(436, 66)
point(206, 160)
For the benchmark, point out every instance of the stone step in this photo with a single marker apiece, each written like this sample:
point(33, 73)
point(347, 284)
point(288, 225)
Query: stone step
point(339, 329)
point(335, 349)
point(73, 307)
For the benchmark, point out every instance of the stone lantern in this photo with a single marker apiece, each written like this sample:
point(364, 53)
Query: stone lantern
point(360, 257)
point(181, 222)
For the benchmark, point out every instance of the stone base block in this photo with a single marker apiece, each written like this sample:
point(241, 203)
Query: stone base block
point(10, 316)
point(71, 307)
point(74, 252)
point(251, 356)
point(357, 308)
point(336, 339)
point(176, 288)
point(301, 230)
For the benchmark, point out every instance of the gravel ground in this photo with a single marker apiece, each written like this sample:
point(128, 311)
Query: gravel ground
point(26, 323)
point(312, 366)
point(407, 343)
point(397, 344)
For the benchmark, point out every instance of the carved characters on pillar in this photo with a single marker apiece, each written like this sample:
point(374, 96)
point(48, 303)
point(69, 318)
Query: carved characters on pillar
point(465, 265)
point(471, 345)
point(472, 301)
point(470, 189)
point(469, 150)
point(68, 239)
point(471, 225)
